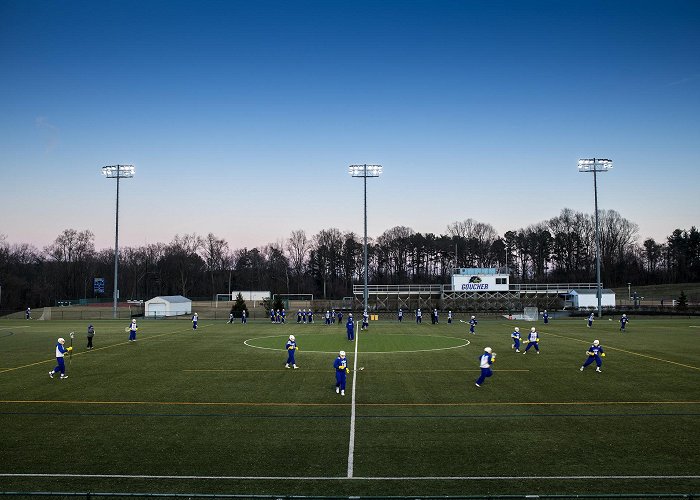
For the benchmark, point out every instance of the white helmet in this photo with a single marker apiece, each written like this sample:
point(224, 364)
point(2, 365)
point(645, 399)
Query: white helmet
point(196, 314)
point(624, 315)
point(533, 329)
point(291, 337)
point(342, 354)
point(517, 329)
point(473, 317)
point(596, 342)
point(133, 320)
point(487, 349)
point(61, 340)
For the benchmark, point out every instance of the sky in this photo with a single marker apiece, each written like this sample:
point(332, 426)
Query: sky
point(241, 118)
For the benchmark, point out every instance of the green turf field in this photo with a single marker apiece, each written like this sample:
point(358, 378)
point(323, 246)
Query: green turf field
point(216, 411)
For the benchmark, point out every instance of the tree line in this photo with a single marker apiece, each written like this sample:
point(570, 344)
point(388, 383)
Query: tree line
point(327, 264)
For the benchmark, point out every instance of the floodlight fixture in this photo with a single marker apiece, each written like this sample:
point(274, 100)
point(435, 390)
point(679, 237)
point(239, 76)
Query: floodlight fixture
point(117, 172)
point(596, 165)
point(365, 171)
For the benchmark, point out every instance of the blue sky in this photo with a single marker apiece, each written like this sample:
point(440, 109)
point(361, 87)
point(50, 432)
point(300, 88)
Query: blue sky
point(242, 117)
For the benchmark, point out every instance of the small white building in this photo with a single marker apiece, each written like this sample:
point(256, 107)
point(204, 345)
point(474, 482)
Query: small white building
point(167, 305)
point(584, 298)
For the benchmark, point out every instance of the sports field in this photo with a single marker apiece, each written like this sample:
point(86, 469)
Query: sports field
point(215, 411)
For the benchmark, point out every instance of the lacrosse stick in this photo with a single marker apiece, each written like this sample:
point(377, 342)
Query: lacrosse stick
point(70, 357)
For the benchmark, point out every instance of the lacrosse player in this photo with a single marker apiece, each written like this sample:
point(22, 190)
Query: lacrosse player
point(291, 350)
point(90, 335)
point(533, 339)
point(623, 322)
point(195, 318)
point(400, 315)
point(485, 362)
point(516, 339)
point(545, 317)
point(350, 327)
point(595, 352)
point(590, 320)
point(472, 324)
point(341, 370)
point(132, 330)
point(60, 352)
point(365, 320)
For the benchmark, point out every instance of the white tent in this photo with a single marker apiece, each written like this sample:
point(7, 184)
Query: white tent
point(168, 305)
point(581, 298)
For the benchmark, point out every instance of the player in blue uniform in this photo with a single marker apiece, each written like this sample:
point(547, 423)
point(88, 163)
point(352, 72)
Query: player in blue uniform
point(485, 362)
point(230, 318)
point(341, 370)
point(272, 315)
point(283, 316)
point(303, 316)
point(299, 316)
point(400, 315)
point(365, 320)
point(533, 340)
point(195, 318)
point(60, 364)
point(311, 316)
point(436, 317)
point(244, 317)
point(545, 317)
point(449, 317)
point(419, 316)
point(28, 313)
point(339, 315)
point(623, 322)
point(291, 350)
point(595, 352)
point(350, 327)
point(590, 320)
point(132, 330)
point(516, 339)
point(328, 317)
point(472, 324)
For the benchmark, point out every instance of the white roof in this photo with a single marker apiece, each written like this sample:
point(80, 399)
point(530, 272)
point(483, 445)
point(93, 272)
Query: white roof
point(171, 298)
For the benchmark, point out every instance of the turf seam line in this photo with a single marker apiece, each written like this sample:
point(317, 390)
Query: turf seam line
point(356, 478)
point(291, 403)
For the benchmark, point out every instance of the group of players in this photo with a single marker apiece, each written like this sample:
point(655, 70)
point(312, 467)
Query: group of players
point(595, 352)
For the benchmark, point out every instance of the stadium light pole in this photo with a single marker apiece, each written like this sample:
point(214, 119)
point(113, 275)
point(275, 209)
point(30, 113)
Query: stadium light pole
point(117, 172)
point(596, 165)
point(365, 171)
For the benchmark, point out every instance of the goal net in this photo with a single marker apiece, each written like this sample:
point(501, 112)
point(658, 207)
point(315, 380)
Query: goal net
point(531, 313)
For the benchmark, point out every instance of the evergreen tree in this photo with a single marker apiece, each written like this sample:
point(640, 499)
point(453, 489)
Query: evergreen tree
point(239, 306)
point(682, 303)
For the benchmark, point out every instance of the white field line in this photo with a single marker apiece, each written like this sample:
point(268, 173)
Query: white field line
point(351, 445)
point(355, 478)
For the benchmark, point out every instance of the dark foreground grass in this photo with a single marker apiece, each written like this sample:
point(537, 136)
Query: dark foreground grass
point(216, 411)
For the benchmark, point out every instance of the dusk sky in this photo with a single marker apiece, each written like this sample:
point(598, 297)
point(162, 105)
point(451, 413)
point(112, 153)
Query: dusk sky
point(241, 118)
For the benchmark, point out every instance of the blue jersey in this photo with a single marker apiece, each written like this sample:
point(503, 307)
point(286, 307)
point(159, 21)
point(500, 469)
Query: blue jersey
point(340, 364)
point(515, 335)
point(291, 345)
point(473, 322)
point(595, 350)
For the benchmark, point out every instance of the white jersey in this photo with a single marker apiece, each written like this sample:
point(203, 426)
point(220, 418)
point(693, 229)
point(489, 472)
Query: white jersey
point(485, 361)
